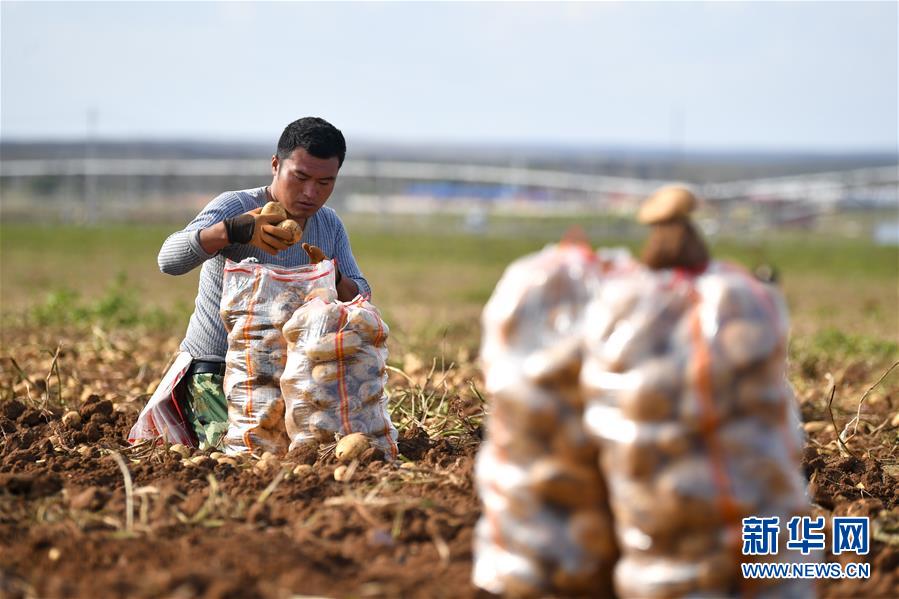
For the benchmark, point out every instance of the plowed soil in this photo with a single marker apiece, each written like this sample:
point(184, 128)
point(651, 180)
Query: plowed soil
point(205, 528)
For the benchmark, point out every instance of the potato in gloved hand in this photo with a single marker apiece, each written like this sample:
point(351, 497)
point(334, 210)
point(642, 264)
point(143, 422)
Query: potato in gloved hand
point(283, 221)
point(275, 208)
point(292, 227)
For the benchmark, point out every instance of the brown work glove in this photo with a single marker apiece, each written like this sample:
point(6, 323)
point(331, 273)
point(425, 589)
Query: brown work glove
point(316, 255)
point(259, 230)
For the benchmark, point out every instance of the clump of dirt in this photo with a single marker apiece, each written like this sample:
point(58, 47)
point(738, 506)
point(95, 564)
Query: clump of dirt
point(837, 479)
point(413, 442)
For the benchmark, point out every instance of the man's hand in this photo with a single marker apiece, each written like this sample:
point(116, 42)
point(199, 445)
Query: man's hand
point(258, 230)
point(266, 236)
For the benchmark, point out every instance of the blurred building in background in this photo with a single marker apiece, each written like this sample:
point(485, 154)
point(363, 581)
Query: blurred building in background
point(475, 189)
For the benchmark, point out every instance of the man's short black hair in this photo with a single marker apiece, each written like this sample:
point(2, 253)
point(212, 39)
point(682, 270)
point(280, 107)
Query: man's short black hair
point(315, 135)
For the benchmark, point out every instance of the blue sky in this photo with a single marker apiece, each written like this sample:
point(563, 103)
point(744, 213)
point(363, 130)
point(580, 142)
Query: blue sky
point(781, 76)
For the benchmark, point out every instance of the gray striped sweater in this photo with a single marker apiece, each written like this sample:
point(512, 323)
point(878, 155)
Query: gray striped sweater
point(206, 338)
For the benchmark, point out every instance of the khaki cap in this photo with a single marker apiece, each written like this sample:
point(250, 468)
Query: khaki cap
point(667, 203)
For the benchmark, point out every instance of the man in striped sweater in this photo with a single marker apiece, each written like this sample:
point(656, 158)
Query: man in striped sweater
point(304, 169)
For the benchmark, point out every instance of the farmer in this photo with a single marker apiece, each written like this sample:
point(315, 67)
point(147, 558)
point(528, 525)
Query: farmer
point(304, 171)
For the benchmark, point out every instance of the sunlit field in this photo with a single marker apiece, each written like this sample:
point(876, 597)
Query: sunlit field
point(428, 281)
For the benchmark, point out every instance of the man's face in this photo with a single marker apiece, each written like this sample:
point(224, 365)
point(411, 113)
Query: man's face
point(303, 183)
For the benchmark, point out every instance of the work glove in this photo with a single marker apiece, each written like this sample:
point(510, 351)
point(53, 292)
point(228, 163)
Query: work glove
point(259, 230)
point(316, 255)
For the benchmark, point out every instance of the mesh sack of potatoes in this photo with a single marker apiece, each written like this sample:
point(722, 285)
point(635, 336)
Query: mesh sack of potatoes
point(335, 375)
point(545, 526)
point(684, 376)
point(257, 300)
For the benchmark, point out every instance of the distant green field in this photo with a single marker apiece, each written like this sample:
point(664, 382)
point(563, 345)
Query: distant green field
point(430, 282)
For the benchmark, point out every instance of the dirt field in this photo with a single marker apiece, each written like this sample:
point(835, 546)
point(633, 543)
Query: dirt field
point(73, 523)
point(217, 530)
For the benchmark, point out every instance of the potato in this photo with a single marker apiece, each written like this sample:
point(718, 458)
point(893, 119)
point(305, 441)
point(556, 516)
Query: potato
point(340, 474)
point(72, 419)
point(181, 450)
point(257, 438)
point(665, 204)
point(647, 405)
point(302, 470)
point(244, 404)
point(275, 208)
point(351, 447)
point(690, 476)
point(593, 531)
point(763, 478)
point(761, 398)
point(318, 397)
point(565, 484)
point(556, 365)
point(371, 420)
point(327, 372)
point(312, 318)
point(323, 425)
point(528, 410)
point(334, 346)
point(272, 415)
point(718, 573)
point(583, 582)
point(368, 323)
point(284, 305)
point(326, 294)
point(672, 440)
point(370, 391)
point(518, 448)
point(746, 342)
point(732, 299)
point(698, 544)
point(268, 362)
point(366, 366)
point(635, 460)
point(292, 227)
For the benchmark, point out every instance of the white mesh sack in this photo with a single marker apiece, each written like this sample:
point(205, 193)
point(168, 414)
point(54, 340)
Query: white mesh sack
point(545, 527)
point(335, 375)
point(688, 399)
point(257, 300)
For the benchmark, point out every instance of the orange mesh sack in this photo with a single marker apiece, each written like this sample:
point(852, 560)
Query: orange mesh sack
point(688, 399)
point(335, 376)
point(257, 300)
point(545, 527)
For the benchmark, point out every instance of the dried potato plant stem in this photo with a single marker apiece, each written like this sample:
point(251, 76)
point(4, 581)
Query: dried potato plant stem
point(858, 413)
point(401, 372)
point(271, 487)
point(129, 492)
point(24, 377)
point(833, 422)
point(54, 368)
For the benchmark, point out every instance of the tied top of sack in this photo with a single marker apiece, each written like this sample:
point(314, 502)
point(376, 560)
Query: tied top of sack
point(532, 322)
